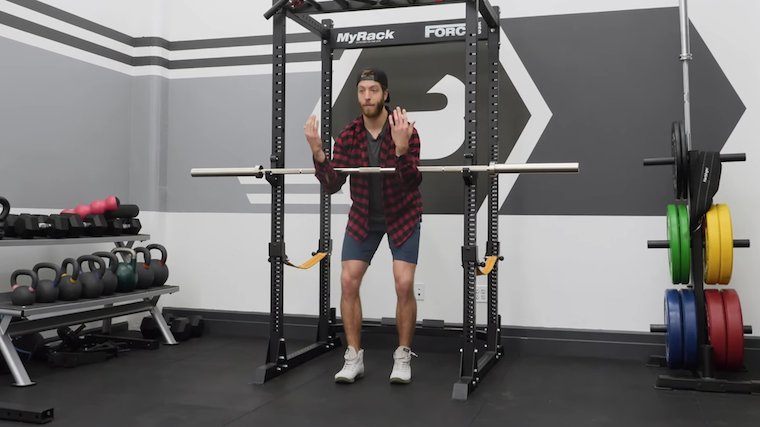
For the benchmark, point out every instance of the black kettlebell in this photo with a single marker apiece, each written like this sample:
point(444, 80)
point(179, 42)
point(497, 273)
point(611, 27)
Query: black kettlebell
point(158, 266)
point(110, 281)
point(22, 294)
point(125, 271)
point(92, 281)
point(47, 290)
point(69, 288)
point(144, 274)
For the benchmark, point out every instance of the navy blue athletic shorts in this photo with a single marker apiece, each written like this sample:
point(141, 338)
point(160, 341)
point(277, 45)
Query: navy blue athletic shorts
point(365, 251)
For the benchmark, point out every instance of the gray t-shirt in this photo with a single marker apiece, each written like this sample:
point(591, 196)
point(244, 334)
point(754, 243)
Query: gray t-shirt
point(376, 212)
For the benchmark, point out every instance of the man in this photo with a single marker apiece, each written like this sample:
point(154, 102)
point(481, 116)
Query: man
point(382, 203)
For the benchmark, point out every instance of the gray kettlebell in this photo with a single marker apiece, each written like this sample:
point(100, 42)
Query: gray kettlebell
point(158, 266)
point(47, 290)
point(69, 288)
point(144, 274)
point(92, 281)
point(110, 281)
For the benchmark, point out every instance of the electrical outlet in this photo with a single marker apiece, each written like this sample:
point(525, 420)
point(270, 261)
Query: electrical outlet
point(419, 291)
point(481, 294)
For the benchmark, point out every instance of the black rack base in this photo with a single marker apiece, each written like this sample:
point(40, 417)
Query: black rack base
point(726, 382)
point(25, 414)
point(270, 371)
point(466, 385)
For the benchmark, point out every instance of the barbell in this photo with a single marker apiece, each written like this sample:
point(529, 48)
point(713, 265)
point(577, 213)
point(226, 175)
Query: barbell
point(259, 171)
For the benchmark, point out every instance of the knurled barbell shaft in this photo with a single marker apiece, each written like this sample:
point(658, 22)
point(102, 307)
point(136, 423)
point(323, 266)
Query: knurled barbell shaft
point(499, 168)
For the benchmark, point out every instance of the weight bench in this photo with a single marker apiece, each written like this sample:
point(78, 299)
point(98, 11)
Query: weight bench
point(66, 313)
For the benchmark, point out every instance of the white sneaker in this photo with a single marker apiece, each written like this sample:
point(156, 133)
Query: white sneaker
point(402, 365)
point(353, 367)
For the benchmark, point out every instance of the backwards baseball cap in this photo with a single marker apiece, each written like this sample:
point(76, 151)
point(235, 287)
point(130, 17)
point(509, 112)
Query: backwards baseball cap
point(376, 75)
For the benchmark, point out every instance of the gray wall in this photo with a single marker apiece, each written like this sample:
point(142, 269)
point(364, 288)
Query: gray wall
point(612, 81)
point(65, 129)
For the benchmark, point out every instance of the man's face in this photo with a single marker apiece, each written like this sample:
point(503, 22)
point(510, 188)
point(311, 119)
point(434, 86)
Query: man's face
point(371, 98)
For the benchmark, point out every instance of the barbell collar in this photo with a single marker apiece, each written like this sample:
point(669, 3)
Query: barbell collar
point(519, 168)
point(662, 161)
point(664, 244)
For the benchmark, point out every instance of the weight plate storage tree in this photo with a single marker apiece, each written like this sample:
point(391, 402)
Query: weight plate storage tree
point(699, 352)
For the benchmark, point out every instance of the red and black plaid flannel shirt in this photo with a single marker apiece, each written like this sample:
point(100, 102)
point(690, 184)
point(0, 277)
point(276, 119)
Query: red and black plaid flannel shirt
point(402, 202)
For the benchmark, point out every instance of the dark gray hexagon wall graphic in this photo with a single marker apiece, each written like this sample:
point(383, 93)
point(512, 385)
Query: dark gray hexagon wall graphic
point(412, 72)
point(613, 83)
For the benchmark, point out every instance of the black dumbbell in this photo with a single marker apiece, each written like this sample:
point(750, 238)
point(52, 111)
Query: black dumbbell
point(197, 325)
point(4, 214)
point(75, 224)
point(119, 226)
point(181, 329)
point(29, 226)
point(8, 226)
point(149, 328)
point(91, 225)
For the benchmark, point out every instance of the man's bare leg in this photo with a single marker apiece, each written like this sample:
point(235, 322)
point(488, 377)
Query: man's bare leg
point(406, 305)
point(350, 302)
point(406, 320)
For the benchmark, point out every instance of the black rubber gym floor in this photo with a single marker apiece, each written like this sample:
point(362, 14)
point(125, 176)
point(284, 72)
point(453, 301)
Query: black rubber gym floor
point(206, 382)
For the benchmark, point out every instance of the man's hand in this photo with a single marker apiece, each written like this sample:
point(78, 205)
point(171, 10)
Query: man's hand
point(401, 130)
point(311, 129)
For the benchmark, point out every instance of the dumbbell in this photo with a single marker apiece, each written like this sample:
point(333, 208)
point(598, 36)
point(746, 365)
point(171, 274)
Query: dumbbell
point(119, 226)
point(4, 214)
point(97, 207)
point(91, 225)
point(28, 226)
point(8, 226)
point(181, 327)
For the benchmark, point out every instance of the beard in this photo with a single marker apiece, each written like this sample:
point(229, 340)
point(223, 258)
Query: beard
point(373, 112)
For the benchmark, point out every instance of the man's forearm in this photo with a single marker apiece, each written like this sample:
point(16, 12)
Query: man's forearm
point(319, 156)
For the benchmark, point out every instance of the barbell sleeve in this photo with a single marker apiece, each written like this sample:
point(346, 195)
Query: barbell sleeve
point(664, 244)
point(276, 7)
point(661, 329)
point(661, 161)
point(498, 168)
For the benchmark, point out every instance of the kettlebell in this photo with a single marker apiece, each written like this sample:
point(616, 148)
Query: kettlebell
point(23, 295)
point(125, 271)
point(158, 266)
point(144, 274)
point(69, 288)
point(47, 290)
point(92, 281)
point(110, 281)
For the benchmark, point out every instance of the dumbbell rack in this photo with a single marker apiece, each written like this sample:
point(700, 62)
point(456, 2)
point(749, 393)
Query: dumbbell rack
point(704, 172)
point(77, 312)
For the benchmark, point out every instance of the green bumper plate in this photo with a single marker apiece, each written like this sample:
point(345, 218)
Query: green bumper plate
point(674, 240)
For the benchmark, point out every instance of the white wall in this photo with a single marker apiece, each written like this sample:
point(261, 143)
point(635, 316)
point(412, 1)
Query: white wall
point(607, 279)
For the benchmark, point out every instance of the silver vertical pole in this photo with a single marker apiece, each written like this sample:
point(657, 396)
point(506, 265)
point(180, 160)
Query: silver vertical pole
point(685, 58)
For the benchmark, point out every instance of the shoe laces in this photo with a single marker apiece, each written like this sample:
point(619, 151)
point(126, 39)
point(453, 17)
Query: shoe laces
point(350, 363)
point(403, 362)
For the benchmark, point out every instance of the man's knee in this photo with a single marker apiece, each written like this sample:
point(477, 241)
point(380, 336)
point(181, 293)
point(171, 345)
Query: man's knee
point(351, 279)
point(405, 285)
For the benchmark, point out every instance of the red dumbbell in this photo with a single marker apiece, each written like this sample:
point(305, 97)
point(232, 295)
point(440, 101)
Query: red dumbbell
point(99, 207)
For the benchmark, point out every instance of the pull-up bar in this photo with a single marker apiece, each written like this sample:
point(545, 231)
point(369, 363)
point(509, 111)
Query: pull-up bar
point(299, 10)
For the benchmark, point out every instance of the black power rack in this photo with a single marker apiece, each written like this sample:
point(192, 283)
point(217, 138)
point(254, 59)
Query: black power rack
point(475, 363)
point(696, 181)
